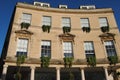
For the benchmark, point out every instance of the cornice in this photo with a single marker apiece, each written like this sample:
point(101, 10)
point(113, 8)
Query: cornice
point(58, 10)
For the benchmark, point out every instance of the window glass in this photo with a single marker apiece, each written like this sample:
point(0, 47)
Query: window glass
point(22, 47)
point(67, 49)
point(103, 22)
point(46, 49)
point(46, 20)
point(89, 49)
point(84, 22)
point(26, 18)
point(66, 22)
point(110, 48)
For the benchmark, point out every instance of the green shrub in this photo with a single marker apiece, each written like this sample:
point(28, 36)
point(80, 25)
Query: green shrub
point(46, 28)
point(105, 29)
point(66, 29)
point(68, 61)
point(45, 61)
point(113, 59)
point(91, 61)
point(86, 29)
point(25, 25)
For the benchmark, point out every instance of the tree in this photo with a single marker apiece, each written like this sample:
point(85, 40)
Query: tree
point(20, 60)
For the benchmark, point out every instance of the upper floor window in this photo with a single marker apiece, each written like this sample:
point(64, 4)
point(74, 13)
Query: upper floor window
point(84, 22)
point(46, 49)
point(46, 20)
point(110, 48)
point(67, 49)
point(103, 22)
point(22, 47)
point(89, 49)
point(66, 22)
point(26, 18)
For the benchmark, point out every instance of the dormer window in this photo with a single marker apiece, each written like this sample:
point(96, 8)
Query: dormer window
point(88, 7)
point(41, 4)
point(63, 6)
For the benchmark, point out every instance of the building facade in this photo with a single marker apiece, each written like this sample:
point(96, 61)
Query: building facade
point(81, 44)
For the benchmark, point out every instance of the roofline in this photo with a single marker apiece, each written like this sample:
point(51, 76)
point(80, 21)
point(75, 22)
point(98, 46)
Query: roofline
point(59, 10)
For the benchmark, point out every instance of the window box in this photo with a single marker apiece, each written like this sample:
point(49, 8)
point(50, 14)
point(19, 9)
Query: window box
point(45, 61)
point(105, 29)
point(113, 60)
point(86, 29)
point(66, 29)
point(68, 61)
point(25, 25)
point(46, 28)
point(91, 61)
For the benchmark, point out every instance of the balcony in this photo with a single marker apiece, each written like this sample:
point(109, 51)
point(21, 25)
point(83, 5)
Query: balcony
point(100, 61)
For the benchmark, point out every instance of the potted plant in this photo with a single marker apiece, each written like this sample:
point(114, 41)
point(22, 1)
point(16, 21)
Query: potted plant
point(25, 25)
point(86, 29)
point(113, 60)
point(46, 28)
point(105, 29)
point(20, 60)
point(68, 61)
point(91, 61)
point(66, 29)
point(45, 61)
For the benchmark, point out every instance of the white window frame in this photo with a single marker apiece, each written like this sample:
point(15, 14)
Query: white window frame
point(26, 18)
point(22, 46)
point(103, 21)
point(89, 48)
point(109, 46)
point(47, 48)
point(84, 22)
point(68, 49)
point(46, 20)
point(66, 22)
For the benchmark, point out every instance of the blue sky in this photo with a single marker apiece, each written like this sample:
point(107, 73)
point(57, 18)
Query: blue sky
point(7, 6)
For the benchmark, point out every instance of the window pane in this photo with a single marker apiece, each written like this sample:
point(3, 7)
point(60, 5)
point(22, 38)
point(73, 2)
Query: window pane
point(84, 22)
point(110, 48)
point(26, 18)
point(22, 46)
point(46, 48)
point(103, 22)
point(67, 49)
point(89, 49)
point(66, 22)
point(46, 20)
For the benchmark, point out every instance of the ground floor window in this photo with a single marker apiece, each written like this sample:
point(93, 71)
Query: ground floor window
point(94, 74)
point(45, 74)
point(12, 70)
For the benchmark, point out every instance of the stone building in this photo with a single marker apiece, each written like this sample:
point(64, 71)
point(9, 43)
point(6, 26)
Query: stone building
point(81, 44)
